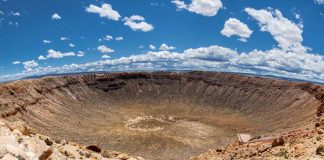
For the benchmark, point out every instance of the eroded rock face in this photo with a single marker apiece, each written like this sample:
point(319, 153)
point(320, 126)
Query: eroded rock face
point(302, 144)
point(130, 112)
point(16, 145)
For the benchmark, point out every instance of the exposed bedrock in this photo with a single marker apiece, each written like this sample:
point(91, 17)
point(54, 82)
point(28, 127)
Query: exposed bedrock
point(160, 115)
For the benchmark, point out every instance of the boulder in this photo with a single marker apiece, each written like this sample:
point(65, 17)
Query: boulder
point(320, 150)
point(110, 154)
point(278, 142)
point(46, 154)
point(263, 148)
point(36, 146)
point(22, 127)
point(14, 150)
point(94, 148)
point(8, 140)
point(9, 157)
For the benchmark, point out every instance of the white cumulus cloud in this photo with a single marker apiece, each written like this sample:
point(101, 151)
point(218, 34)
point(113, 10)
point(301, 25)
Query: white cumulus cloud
point(165, 47)
point(56, 16)
point(235, 27)
point(29, 65)
point(16, 62)
point(55, 54)
point(15, 13)
point(108, 38)
point(47, 41)
point(202, 7)
point(119, 38)
point(105, 49)
point(105, 11)
point(105, 56)
point(152, 47)
point(319, 1)
point(80, 53)
point(137, 23)
point(71, 45)
point(285, 32)
point(63, 38)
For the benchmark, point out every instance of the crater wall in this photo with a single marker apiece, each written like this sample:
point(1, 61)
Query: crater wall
point(175, 115)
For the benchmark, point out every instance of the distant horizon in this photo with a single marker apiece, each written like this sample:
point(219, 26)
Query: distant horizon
point(274, 38)
point(182, 71)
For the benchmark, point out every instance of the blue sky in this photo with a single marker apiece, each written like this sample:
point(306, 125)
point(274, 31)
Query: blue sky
point(281, 38)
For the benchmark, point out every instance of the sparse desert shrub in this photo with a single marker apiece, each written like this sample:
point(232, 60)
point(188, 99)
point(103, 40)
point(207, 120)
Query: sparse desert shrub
point(48, 142)
point(88, 155)
point(19, 140)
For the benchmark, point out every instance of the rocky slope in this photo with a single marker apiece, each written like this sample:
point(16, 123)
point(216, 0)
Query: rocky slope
point(18, 142)
point(299, 144)
point(160, 115)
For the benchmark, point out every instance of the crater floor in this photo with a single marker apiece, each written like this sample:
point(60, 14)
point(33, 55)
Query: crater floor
point(158, 115)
